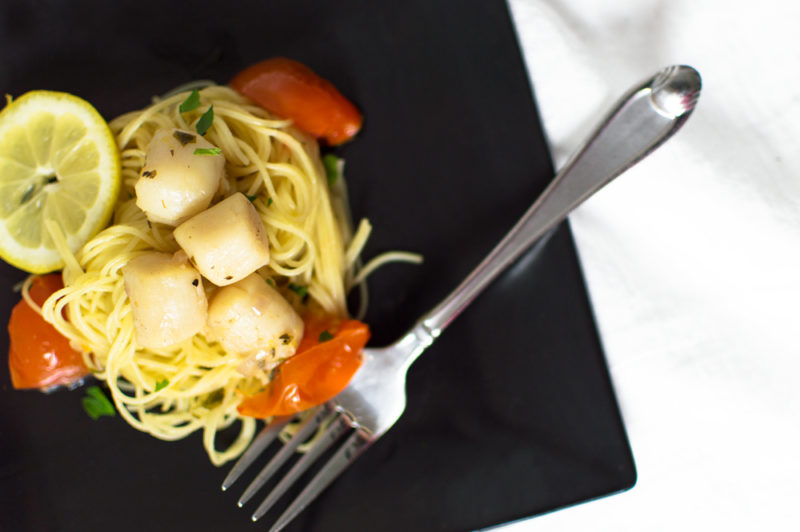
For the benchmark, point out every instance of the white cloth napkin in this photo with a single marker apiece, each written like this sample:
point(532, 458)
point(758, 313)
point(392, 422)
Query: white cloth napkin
point(692, 257)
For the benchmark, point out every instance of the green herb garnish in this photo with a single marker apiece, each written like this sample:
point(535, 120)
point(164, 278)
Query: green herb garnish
point(160, 385)
point(205, 121)
point(252, 198)
point(97, 404)
point(270, 282)
point(324, 336)
point(269, 201)
point(208, 151)
point(333, 167)
point(191, 103)
point(300, 290)
point(214, 398)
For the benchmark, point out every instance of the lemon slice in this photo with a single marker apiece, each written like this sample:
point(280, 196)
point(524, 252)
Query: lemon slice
point(58, 161)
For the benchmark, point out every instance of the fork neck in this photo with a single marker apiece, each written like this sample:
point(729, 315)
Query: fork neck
point(640, 122)
point(413, 343)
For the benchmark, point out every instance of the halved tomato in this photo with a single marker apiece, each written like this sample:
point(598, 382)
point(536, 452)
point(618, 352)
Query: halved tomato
point(292, 90)
point(39, 356)
point(327, 358)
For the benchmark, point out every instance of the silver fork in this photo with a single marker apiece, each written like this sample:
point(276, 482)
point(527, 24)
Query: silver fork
point(374, 400)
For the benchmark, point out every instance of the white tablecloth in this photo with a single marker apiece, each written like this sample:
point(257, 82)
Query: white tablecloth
point(692, 258)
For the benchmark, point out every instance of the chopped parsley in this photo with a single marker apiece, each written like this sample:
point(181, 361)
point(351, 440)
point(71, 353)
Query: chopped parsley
point(270, 282)
point(269, 201)
point(214, 398)
point(160, 385)
point(285, 338)
point(252, 197)
point(205, 121)
point(298, 289)
point(333, 167)
point(97, 404)
point(207, 151)
point(191, 103)
point(324, 336)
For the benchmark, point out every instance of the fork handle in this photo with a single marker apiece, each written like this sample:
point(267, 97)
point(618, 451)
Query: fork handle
point(642, 120)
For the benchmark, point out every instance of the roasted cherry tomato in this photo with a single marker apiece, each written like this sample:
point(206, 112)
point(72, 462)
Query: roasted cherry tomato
point(327, 358)
point(292, 90)
point(38, 355)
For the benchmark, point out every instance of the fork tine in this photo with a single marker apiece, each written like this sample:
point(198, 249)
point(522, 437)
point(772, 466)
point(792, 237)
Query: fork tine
point(357, 443)
point(306, 429)
point(332, 433)
point(262, 441)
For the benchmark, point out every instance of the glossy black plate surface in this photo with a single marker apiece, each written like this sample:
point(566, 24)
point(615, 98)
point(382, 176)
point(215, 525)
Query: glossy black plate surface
point(511, 412)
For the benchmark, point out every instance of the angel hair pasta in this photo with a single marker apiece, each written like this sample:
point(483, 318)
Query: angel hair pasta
point(196, 384)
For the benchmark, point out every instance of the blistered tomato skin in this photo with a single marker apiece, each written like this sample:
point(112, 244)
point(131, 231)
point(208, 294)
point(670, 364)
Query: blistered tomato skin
point(326, 359)
point(39, 356)
point(292, 90)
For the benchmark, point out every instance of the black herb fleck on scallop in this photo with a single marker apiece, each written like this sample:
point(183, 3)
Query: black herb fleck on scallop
point(285, 338)
point(172, 153)
point(196, 282)
point(184, 138)
point(228, 277)
point(150, 174)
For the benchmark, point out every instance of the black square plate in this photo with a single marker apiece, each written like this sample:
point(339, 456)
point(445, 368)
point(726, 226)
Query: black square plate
point(511, 413)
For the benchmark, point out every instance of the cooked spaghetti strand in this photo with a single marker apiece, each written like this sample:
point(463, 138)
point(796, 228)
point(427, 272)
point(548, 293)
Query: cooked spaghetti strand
point(196, 385)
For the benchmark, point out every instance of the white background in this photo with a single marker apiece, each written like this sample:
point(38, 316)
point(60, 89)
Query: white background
point(692, 257)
